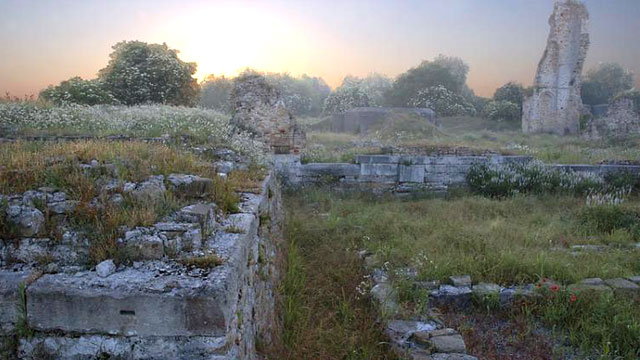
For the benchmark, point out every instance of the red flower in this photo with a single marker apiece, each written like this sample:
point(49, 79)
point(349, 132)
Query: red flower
point(544, 280)
point(573, 298)
point(554, 287)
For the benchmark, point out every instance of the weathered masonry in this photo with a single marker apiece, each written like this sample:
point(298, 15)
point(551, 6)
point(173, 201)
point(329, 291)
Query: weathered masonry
point(406, 173)
point(556, 105)
point(156, 308)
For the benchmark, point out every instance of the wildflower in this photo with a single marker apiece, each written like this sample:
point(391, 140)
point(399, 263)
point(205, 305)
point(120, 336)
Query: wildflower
point(554, 287)
point(573, 298)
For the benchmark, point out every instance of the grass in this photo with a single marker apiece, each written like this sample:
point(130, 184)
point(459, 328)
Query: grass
point(509, 241)
point(324, 317)
point(515, 240)
point(202, 262)
point(473, 135)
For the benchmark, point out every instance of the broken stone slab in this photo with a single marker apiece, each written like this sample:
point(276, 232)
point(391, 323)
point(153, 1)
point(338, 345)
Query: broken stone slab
point(97, 346)
point(448, 344)
point(148, 247)
point(592, 281)
point(448, 295)
point(623, 287)
point(635, 279)
point(386, 297)
point(423, 337)
point(28, 221)
point(152, 189)
point(106, 268)
point(594, 248)
point(459, 281)
point(30, 250)
point(10, 298)
point(582, 287)
point(132, 302)
point(510, 294)
point(62, 207)
point(399, 331)
point(191, 186)
point(486, 289)
point(203, 214)
point(441, 356)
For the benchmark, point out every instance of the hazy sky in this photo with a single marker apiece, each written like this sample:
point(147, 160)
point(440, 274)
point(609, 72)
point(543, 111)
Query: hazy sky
point(44, 42)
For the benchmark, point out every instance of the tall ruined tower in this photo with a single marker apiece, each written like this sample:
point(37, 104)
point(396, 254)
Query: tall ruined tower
point(555, 105)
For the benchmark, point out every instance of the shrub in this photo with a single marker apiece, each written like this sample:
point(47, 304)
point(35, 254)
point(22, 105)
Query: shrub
point(604, 82)
point(511, 92)
point(78, 91)
point(215, 93)
point(426, 75)
point(443, 101)
point(345, 98)
point(608, 218)
point(503, 111)
point(497, 180)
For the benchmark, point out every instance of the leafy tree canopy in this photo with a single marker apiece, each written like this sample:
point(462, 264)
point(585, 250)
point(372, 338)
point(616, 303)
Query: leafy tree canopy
point(139, 73)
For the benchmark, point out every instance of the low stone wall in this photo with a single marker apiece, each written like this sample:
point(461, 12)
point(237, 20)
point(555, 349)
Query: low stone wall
point(399, 173)
point(406, 173)
point(157, 308)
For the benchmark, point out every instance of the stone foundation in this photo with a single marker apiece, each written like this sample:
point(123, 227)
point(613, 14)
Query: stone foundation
point(158, 308)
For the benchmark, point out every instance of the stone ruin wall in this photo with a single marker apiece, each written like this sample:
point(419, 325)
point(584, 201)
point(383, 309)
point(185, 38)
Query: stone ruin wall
point(556, 104)
point(403, 174)
point(621, 119)
point(157, 307)
point(260, 109)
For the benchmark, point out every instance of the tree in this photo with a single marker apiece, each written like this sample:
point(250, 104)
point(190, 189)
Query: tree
point(426, 75)
point(511, 92)
point(502, 110)
point(139, 73)
point(78, 91)
point(456, 66)
point(215, 93)
point(604, 82)
point(345, 98)
point(443, 101)
point(302, 95)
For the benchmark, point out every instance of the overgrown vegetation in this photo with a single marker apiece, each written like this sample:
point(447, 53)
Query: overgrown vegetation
point(324, 315)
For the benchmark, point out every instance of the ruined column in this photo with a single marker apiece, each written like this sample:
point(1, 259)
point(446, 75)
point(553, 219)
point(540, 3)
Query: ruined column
point(556, 105)
point(259, 108)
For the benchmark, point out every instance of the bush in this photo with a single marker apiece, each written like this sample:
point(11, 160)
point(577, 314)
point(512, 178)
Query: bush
point(345, 98)
point(503, 111)
point(443, 102)
point(141, 73)
point(510, 92)
point(608, 218)
point(604, 82)
point(78, 91)
point(426, 75)
point(531, 177)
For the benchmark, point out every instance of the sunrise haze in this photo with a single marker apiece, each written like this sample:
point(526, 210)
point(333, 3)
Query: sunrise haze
point(44, 42)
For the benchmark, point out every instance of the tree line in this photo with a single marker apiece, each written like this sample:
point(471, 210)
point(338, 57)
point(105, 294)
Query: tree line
point(141, 73)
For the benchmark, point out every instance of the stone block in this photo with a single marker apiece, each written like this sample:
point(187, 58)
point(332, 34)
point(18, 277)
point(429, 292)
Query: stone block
point(152, 189)
point(448, 295)
point(449, 344)
point(377, 159)
point(486, 289)
point(190, 186)
point(203, 214)
point(127, 303)
point(28, 221)
point(623, 287)
point(411, 173)
point(337, 170)
point(635, 279)
point(462, 280)
point(367, 169)
point(9, 297)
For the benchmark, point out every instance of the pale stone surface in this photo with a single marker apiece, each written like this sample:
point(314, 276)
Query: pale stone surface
point(462, 280)
point(29, 221)
point(556, 105)
point(259, 108)
point(623, 287)
point(483, 289)
point(621, 120)
point(449, 344)
point(105, 268)
point(9, 297)
point(190, 185)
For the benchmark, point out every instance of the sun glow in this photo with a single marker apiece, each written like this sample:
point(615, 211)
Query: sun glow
point(224, 39)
